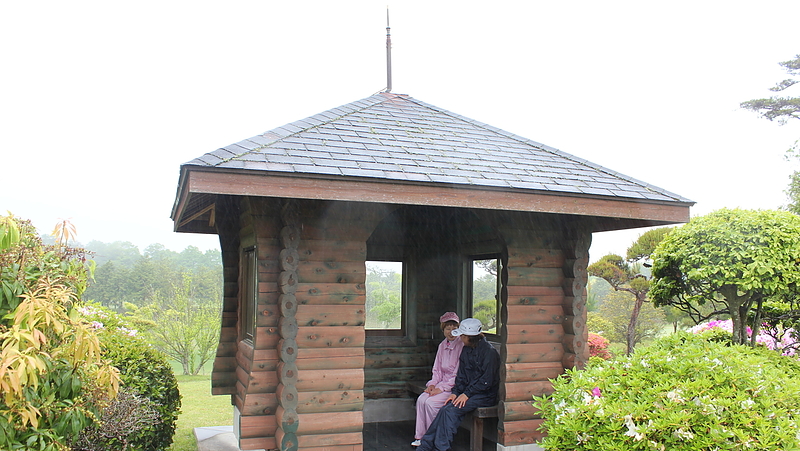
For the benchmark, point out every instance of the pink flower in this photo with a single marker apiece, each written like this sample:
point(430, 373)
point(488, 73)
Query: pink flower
point(596, 392)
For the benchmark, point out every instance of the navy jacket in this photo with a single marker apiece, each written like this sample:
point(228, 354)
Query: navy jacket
point(478, 371)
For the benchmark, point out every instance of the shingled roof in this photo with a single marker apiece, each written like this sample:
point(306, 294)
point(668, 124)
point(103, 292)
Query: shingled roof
point(396, 137)
point(393, 148)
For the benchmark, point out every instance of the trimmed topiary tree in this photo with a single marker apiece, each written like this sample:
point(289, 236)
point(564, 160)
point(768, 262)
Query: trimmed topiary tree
point(732, 262)
point(684, 392)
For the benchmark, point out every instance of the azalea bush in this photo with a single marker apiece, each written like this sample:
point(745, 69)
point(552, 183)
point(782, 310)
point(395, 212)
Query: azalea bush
point(774, 338)
point(683, 392)
point(598, 346)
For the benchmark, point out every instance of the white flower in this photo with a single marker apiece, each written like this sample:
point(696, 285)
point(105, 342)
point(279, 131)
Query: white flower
point(682, 434)
point(633, 431)
point(675, 396)
point(747, 403)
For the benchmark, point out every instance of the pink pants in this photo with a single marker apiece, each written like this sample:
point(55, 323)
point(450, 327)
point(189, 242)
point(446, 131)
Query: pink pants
point(427, 408)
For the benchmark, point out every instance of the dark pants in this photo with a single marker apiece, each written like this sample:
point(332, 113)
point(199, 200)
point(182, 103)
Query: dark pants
point(443, 430)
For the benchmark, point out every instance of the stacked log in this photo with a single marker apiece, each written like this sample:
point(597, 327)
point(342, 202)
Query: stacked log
point(287, 418)
point(258, 359)
point(223, 374)
point(532, 320)
point(575, 283)
point(330, 312)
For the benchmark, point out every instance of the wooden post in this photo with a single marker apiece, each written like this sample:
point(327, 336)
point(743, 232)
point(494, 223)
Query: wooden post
point(575, 282)
point(287, 418)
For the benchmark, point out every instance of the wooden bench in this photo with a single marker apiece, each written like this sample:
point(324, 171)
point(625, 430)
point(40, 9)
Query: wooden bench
point(477, 415)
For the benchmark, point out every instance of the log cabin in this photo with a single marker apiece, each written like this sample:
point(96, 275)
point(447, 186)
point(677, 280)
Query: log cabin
point(302, 210)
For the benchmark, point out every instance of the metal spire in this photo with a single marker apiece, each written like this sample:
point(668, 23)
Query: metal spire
point(388, 54)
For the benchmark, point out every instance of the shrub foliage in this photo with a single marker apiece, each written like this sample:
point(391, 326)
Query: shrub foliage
point(150, 390)
point(52, 375)
point(682, 393)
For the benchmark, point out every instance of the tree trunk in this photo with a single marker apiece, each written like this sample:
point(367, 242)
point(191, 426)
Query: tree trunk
point(631, 333)
point(757, 321)
point(737, 307)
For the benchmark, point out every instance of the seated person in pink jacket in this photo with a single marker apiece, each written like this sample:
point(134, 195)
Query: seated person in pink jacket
point(445, 368)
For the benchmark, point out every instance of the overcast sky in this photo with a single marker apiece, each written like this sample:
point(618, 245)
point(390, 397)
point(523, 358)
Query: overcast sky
point(102, 101)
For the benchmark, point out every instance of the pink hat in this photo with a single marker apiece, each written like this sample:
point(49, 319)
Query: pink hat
point(449, 316)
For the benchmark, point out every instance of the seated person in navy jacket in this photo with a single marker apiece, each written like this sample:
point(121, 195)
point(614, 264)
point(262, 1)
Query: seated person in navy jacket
point(476, 386)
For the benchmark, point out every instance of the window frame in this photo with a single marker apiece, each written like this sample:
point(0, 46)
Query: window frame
point(468, 290)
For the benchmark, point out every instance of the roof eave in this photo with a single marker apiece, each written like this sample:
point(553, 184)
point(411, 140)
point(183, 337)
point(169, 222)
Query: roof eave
point(197, 180)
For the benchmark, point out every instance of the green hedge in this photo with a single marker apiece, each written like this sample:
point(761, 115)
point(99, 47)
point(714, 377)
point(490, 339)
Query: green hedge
point(148, 373)
point(145, 373)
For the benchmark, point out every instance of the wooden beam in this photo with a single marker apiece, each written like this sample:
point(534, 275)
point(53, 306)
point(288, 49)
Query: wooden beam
point(215, 181)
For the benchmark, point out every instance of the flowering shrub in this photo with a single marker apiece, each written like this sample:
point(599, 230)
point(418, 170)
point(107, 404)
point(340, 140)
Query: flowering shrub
point(598, 346)
point(681, 393)
point(782, 340)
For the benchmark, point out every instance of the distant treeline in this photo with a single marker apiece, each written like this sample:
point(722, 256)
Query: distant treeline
point(126, 275)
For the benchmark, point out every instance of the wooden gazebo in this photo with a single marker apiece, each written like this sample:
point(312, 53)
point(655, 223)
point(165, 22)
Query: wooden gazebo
point(300, 209)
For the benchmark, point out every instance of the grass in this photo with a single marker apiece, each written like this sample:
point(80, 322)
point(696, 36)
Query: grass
point(199, 408)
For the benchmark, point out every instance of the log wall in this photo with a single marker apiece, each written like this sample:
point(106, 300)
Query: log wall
point(223, 374)
point(543, 316)
point(258, 382)
point(328, 325)
point(302, 381)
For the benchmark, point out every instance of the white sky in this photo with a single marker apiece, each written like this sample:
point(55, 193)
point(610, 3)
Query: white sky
point(101, 101)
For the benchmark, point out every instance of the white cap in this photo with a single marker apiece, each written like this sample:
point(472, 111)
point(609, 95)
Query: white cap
point(469, 326)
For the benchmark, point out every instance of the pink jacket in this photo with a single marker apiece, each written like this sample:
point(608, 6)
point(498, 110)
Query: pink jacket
point(445, 366)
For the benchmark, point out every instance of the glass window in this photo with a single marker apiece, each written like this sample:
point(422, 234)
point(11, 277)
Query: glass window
point(384, 304)
point(485, 292)
point(249, 293)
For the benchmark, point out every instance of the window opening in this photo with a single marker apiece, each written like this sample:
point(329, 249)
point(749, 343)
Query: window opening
point(384, 304)
point(485, 292)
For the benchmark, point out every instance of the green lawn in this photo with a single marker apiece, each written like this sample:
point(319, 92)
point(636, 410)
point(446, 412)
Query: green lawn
point(199, 408)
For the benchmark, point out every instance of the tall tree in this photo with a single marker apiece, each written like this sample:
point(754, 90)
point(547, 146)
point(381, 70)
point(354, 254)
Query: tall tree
point(781, 109)
point(733, 260)
point(627, 275)
point(384, 300)
point(179, 326)
point(612, 318)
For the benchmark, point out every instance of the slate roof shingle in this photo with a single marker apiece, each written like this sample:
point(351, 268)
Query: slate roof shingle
point(396, 137)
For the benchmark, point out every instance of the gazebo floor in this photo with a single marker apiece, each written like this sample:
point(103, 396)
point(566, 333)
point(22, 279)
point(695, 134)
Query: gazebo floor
point(397, 436)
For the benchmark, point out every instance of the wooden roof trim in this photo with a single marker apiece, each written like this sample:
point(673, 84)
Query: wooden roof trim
point(198, 180)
